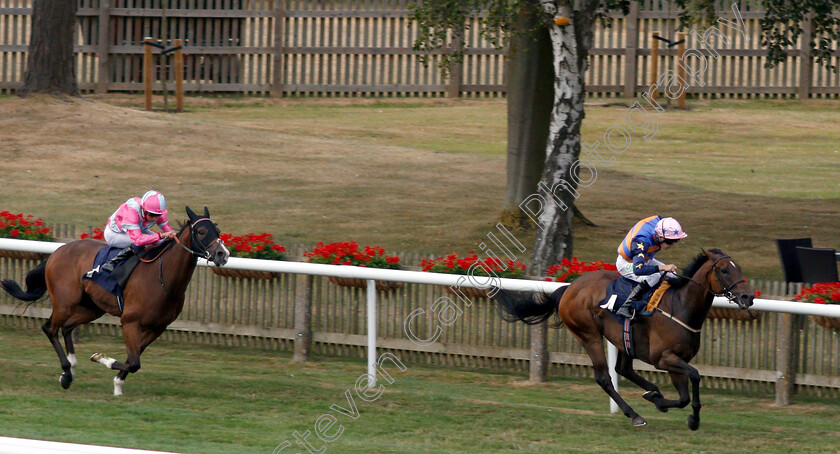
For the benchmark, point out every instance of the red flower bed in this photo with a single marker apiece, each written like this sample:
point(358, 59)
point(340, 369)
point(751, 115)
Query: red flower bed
point(569, 270)
point(254, 246)
point(98, 234)
point(823, 293)
point(23, 227)
point(451, 264)
point(349, 253)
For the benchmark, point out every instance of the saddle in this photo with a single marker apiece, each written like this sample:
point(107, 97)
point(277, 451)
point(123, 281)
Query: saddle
point(115, 282)
point(614, 295)
point(617, 292)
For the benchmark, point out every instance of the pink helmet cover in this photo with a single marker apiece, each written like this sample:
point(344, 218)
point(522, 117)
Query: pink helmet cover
point(670, 229)
point(153, 202)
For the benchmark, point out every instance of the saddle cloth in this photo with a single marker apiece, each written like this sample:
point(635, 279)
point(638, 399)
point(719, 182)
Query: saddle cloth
point(112, 282)
point(617, 292)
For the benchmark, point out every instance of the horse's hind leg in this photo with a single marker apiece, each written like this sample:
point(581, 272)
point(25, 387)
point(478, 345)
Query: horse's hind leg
point(594, 346)
point(50, 328)
point(81, 316)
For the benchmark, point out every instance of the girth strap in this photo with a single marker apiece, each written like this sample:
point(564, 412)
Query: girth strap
point(627, 338)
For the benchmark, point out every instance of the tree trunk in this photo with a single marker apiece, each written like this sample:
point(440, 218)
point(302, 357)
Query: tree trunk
point(562, 172)
point(530, 100)
point(50, 63)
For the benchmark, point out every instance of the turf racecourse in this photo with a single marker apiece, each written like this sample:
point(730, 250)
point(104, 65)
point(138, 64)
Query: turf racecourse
point(206, 399)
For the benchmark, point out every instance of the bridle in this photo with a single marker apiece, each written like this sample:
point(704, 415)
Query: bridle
point(727, 291)
point(202, 249)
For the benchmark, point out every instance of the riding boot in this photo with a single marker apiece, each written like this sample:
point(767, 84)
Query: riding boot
point(626, 309)
point(119, 258)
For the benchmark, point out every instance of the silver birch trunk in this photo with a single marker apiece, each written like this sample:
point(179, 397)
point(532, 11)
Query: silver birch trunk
point(570, 44)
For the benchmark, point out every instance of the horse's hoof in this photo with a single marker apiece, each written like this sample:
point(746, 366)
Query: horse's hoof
point(66, 380)
point(650, 396)
point(638, 421)
point(96, 357)
point(693, 422)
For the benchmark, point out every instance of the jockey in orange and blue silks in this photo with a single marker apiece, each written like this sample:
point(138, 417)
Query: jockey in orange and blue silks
point(129, 226)
point(636, 255)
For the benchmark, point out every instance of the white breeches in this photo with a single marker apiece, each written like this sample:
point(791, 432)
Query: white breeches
point(120, 240)
point(625, 268)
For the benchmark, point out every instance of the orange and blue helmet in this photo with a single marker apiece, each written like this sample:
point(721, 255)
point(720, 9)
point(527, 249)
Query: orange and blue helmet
point(153, 202)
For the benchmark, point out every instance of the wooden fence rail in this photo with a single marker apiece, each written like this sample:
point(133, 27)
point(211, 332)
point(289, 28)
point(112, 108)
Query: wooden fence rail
point(351, 47)
point(781, 352)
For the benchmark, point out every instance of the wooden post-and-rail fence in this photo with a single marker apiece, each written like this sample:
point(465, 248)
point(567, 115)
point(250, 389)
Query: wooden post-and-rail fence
point(336, 47)
point(772, 352)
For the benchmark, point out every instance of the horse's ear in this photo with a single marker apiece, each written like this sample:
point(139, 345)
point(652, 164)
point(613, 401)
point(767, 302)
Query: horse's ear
point(704, 252)
point(191, 214)
point(206, 213)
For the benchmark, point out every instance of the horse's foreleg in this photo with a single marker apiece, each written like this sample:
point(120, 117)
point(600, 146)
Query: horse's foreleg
point(624, 367)
point(681, 373)
point(595, 349)
point(136, 341)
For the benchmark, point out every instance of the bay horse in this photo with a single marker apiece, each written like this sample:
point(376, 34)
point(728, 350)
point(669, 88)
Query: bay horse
point(667, 340)
point(153, 294)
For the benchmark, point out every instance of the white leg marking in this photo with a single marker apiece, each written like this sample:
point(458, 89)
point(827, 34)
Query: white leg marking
point(101, 358)
point(118, 386)
point(73, 363)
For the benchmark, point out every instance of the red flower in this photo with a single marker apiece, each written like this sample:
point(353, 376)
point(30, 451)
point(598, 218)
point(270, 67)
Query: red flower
point(254, 245)
point(23, 227)
point(349, 253)
point(569, 270)
point(471, 264)
point(821, 293)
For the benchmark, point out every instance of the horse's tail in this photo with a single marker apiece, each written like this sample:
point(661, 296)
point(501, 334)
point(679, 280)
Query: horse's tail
point(531, 308)
point(36, 284)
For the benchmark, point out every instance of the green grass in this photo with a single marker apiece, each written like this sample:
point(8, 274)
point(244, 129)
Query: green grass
point(206, 399)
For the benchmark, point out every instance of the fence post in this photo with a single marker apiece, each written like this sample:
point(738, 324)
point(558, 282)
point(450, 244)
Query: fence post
point(456, 73)
point(279, 49)
point(303, 317)
point(805, 60)
point(104, 47)
point(784, 359)
point(630, 50)
point(654, 62)
point(681, 68)
point(148, 72)
point(539, 352)
point(179, 76)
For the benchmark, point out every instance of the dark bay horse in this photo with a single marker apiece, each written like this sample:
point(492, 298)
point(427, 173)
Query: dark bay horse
point(667, 340)
point(153, 295)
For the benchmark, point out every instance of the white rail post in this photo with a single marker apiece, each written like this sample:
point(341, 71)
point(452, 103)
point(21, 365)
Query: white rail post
point(612, 358)
point(371, 330)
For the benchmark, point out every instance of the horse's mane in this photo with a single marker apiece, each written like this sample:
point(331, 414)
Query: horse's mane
point(692, 267)
point(182, 226)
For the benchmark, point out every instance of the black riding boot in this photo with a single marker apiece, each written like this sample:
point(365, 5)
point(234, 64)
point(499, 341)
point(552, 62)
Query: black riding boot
point(119, 258)
point(626, 309)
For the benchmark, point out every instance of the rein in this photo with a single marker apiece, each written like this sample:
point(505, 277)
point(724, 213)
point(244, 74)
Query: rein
point(727, 293)
point(205, 254)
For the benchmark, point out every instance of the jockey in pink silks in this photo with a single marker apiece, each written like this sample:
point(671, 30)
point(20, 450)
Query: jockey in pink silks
point(635, 256)
point(129, 226)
